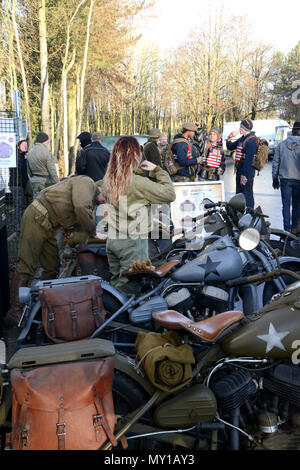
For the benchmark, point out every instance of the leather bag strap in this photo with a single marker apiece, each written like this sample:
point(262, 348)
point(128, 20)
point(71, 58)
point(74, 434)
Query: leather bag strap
point(51, 319)
point(99, 420)
point(74, 318)
point(61, 429)
point(23, 431)
point(95, 310)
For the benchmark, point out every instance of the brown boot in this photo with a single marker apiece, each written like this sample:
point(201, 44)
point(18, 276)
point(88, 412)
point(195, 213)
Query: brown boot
point(14, 314)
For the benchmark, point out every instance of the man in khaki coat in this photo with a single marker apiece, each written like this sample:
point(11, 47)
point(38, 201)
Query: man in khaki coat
point(69, 205)
point(41, 165)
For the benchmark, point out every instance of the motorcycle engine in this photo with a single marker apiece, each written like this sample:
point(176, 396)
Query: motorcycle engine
point(199, 303)
point(181, 299)
point(282, 396)
point(267, 406)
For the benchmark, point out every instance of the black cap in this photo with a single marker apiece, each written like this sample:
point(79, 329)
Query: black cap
point(84, 136)
point(296, 126)
point(247, 124)
point(41, 137)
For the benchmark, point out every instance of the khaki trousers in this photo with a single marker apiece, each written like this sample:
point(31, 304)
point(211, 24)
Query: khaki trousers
point(121, 254)
point(37, 244)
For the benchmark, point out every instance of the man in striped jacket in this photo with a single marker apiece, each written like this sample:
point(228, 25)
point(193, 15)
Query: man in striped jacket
point(246, 148)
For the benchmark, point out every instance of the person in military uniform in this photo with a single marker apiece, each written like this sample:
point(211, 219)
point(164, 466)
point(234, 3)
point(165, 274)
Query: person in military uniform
point(69, 205)
point(162, 142)
point(41, 164)
point(213, 159)
point(130, 194)
point(151, 151)
point(182, 147)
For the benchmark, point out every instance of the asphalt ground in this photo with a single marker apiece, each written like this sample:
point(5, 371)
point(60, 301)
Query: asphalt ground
point(265, 196)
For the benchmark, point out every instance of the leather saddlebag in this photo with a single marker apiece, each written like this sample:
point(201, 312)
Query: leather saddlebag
point(72, 312)
point(63, 407)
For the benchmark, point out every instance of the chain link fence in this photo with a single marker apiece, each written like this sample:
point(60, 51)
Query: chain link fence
point(15, 200)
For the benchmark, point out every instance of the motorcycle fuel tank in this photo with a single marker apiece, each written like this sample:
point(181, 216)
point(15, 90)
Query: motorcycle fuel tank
point(219, 262)
point(272, 332)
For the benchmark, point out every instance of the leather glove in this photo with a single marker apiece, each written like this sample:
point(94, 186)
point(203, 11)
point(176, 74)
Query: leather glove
point(276, 184)
point(76, 238)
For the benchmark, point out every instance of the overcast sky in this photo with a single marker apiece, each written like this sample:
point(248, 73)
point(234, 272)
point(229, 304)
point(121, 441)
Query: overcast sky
point(278, 23)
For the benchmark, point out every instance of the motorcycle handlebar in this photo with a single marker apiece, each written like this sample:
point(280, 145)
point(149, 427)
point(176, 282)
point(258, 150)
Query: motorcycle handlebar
point(266, 276)
point(211, 205)
point(256, 213)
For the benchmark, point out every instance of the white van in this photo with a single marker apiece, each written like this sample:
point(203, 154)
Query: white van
point(264, 128)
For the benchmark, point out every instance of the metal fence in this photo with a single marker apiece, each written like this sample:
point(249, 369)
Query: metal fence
point(15, 201)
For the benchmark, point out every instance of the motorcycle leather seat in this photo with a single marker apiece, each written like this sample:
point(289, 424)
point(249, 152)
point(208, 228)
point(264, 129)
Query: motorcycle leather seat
point(208, 330)
point(158, 273)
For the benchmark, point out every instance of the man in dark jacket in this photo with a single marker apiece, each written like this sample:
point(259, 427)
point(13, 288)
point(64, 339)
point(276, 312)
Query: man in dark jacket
point(246, 147)
point(93, 159)
point(286, 176)
point(182, 148)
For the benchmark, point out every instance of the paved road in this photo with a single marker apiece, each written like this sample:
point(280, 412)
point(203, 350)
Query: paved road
point(265, 195)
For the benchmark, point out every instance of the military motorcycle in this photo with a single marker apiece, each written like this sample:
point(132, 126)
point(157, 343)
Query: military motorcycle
point(245, 388)
point(216, 220)
point(243, 392)
point(199, 285)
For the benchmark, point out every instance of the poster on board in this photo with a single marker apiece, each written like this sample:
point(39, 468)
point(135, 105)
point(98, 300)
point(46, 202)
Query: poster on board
point(8, 150)
point(189, 202)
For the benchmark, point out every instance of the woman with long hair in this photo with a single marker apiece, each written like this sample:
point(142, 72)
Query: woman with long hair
point(130, 194)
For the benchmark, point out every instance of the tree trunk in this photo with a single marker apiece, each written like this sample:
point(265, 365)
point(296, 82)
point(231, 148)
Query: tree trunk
point(44, 68)
point(24, 80)
point(82, 80)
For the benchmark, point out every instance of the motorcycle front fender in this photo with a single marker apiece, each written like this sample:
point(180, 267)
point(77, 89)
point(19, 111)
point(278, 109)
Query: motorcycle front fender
point(126, 365)
point(288, 259)
point(107, 287)
point(283, 233)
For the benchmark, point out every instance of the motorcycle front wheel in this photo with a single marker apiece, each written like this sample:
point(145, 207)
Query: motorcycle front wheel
point(128, 396)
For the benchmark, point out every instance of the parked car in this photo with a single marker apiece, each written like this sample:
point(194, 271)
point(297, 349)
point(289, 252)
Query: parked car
point(109, 140)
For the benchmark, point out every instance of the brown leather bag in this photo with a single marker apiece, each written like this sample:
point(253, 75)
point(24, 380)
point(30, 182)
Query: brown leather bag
point(63, 407)
point(72, 312)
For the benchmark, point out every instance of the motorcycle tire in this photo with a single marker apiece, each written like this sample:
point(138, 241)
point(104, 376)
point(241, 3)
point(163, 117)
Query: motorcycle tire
point(128, 396)
point(285, 250)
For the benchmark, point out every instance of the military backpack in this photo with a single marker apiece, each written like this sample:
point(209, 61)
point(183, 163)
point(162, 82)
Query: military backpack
point(261, 156)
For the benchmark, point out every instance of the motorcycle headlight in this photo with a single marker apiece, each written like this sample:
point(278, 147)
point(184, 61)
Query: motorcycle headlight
point(249, 239)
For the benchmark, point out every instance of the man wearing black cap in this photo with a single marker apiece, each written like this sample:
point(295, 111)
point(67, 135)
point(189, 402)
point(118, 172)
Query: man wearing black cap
point(41, 164)
point(85, 138)
point(245, 147)
point(286, 176)
point(93, 159)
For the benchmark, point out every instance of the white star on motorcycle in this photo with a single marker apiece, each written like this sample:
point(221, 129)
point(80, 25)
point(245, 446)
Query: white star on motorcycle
point(273, 339)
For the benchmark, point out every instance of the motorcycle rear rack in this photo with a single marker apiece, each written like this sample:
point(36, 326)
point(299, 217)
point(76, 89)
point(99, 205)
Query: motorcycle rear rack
point(83, 350)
